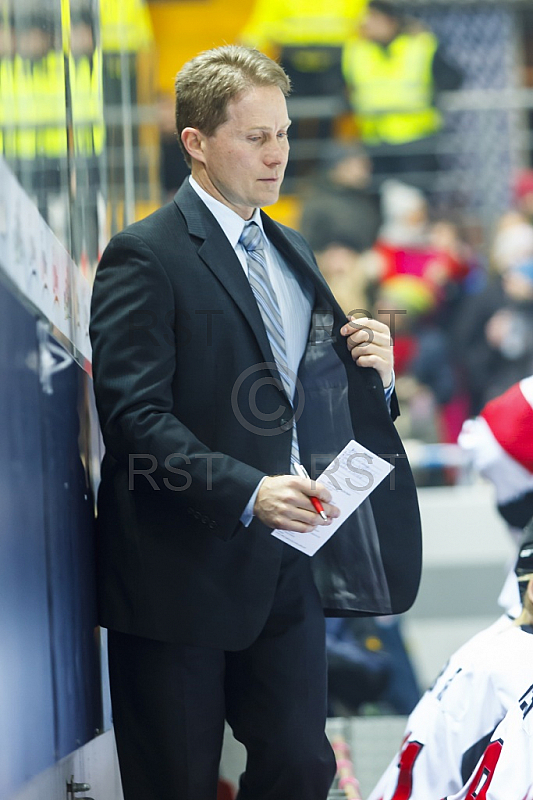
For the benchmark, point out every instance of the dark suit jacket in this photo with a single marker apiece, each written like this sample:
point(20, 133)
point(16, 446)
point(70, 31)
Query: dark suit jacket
point(180, 360)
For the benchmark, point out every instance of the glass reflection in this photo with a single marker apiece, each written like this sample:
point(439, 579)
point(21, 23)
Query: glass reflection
point(78, 122)
point(7, 87)
point(87, 138)
point(32, 88)
point(129, 92)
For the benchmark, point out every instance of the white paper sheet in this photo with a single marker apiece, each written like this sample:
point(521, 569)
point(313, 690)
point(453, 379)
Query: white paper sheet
point(350, 478)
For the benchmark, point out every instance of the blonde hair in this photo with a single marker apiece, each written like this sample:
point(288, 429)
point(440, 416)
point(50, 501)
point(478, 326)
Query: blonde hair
point(205, 85)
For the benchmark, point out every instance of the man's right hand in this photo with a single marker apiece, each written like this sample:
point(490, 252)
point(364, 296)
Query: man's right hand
point(283, 502)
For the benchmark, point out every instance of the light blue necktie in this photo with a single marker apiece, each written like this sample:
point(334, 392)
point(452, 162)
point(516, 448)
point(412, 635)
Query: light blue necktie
point(253, 242)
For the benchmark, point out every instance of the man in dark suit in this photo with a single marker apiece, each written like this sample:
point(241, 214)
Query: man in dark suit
point(218, 363)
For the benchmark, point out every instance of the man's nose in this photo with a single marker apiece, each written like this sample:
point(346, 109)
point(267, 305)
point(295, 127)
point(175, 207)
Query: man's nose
point(276, 152)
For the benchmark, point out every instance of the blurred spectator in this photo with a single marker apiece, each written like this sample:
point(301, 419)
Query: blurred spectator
point(8, 146)
point(85, 71)
point(126, 25)
point(350, 275)
point(126, 35)
point(424, 266)
point(88, 136)
point(408, 243)
point(510, 329)
point(420, 348)
point(425, 376)
point(342, 208)
point(523, 193)
point(307, 38)
point(40, 115)
point(340, 218)
point(394, 73)
point(405, 215)
point(126, 30)
point(493, 332)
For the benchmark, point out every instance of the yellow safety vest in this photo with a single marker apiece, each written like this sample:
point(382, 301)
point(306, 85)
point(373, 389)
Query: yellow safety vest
point(302, 22)
point(50, 93)
point(126, 25)
point(8, 134)
point(33, 100)
point(85, 75)
point(24, 109)
point(392, 88)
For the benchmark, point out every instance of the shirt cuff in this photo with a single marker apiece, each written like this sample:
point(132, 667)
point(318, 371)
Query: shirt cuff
point(248, 513)
point(390, 389)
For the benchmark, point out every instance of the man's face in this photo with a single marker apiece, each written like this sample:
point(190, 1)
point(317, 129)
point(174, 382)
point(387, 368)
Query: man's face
point(245, 159)
point(379, 27)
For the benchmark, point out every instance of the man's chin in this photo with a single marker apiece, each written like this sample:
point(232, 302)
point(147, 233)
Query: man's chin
point(270, 196)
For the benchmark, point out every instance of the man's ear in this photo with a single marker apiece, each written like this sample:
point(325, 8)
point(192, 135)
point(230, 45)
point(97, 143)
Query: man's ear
point(192, 140)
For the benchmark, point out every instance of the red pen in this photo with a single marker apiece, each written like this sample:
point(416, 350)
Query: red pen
point(302, 472)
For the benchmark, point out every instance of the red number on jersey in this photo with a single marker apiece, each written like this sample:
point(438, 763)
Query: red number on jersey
point(481, 781)
point(408, 756)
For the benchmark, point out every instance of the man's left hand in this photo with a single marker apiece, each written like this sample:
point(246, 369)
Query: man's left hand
point(370, 344)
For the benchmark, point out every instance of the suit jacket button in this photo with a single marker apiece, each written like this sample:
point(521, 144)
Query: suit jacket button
point(212, 524)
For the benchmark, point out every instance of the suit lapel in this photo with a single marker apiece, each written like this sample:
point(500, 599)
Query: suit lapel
point(219, 256)
point(298, 259)
point(325, 303)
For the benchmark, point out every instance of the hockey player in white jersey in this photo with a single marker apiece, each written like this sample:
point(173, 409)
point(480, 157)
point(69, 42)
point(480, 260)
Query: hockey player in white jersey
point(451, 725)
point(505, 771)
